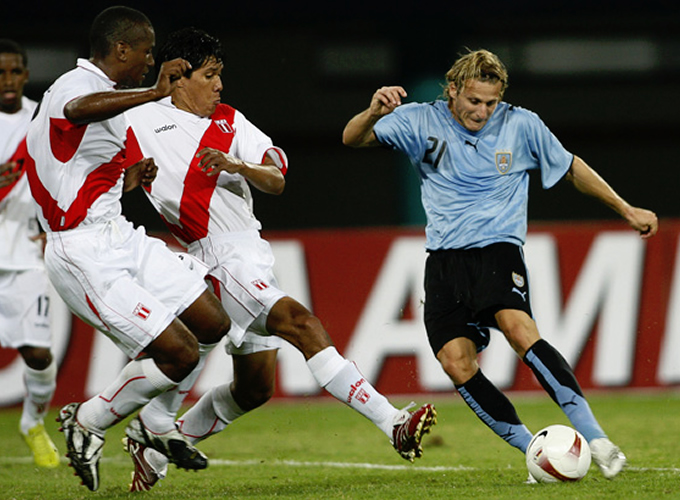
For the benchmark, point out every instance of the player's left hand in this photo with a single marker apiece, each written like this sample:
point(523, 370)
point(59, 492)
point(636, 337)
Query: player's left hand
point(643, 221)
point(142, 173)
point(213, 161)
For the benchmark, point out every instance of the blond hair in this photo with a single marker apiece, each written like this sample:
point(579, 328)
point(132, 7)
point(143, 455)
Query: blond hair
point(479, 65)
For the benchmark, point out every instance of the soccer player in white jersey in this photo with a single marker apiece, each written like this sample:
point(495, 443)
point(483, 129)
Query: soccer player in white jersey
point(207, 155)
point(24, 296)
point(473, 152)
point(124, 283)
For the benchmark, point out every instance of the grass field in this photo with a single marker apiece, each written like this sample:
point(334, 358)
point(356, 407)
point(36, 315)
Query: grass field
point(320, 449)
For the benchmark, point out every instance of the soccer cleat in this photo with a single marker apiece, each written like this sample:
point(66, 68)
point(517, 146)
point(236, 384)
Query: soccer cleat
point(409, 429)
point(84, 447)
point(608, 457)
point(44, 451)
point(150, 465)
point(172, 444)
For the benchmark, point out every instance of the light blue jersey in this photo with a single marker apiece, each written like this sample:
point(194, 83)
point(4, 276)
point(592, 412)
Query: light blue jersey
point(474, 185)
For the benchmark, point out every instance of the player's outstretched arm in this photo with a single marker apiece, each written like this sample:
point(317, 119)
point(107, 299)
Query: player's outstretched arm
point(266, 177)
point(589, 182)
point(358, 132)
point(104, 105)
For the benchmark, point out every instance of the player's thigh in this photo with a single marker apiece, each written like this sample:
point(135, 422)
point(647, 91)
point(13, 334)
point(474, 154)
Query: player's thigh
point(248, 292)
point(448, 314)
point(206, 318)
point(126, 284)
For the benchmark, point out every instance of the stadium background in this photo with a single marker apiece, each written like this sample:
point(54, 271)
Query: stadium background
point(601, 74)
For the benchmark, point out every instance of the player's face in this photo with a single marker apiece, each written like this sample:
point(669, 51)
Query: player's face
point(200, 94)
point(139, 59)
point(13, 77)
point(473, 106)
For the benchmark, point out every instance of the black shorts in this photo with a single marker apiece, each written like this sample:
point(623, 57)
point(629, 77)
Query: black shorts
point(464, 289)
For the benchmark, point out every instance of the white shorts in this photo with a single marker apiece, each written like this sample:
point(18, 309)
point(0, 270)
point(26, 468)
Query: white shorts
point(121, 281)
point(240, 269)
point(24, 309)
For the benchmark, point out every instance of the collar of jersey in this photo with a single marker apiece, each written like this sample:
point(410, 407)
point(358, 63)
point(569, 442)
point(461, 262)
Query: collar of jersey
point(89, 66)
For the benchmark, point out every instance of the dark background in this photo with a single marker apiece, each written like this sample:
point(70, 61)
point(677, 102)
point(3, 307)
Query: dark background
point(301, 70)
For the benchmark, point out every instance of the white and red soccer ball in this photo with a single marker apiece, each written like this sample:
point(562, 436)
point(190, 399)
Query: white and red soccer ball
point(558, 453)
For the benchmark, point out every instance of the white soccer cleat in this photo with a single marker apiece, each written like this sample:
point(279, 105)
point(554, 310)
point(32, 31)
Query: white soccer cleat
point(173, 444)
point(84, 447)
point(608, 457)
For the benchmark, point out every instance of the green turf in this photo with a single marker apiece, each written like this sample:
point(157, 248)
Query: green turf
point(313, 449)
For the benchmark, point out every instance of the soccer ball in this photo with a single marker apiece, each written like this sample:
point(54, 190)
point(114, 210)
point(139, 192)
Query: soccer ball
point(558, 453)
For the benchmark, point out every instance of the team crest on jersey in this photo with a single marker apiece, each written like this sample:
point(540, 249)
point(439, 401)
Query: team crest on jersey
point(518, 279)
point(224, 126)
point(260, 285)
point(503, 161)
point(141, 311)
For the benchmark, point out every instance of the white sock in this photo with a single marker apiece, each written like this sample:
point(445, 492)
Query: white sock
point(343, 380)
point(139, 381)
point(40, 386)
point(160, 414)
point(211, 414)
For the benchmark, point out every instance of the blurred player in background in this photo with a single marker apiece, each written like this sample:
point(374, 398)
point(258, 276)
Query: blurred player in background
point(129, 286)
point(207, 155)
point(473, 153)
point(24, 297)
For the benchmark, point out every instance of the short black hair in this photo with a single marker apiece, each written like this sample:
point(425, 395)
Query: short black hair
point(115, 24)
point(191, 44)
point(8, 46)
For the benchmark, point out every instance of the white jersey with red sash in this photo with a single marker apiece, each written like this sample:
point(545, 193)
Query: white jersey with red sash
point(75, 171)
point(187, 198)
point(18, 223)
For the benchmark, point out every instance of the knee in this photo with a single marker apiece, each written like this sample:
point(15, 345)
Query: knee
point(224, 325)
point(310, 334)
point(460, 370)
point(459, 365)
point(37, 358)
point(177, 356)
point(302, 329)
point(252, 396)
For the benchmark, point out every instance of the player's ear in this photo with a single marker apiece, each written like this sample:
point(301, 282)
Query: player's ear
point(453, 92)
point(121, 49)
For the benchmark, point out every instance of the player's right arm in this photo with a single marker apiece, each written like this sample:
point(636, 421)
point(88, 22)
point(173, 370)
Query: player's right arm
point(358, 132)
point(104, 105)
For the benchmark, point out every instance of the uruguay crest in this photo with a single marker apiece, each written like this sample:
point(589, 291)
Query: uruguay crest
point(503, 161)
point(518, 279)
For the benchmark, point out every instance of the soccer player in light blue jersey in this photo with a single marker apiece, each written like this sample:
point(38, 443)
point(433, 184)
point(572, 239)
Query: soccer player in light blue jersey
point(473, 153)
